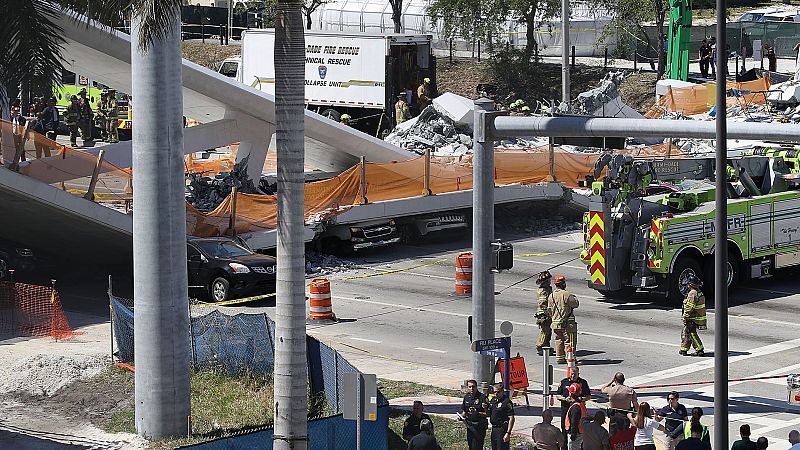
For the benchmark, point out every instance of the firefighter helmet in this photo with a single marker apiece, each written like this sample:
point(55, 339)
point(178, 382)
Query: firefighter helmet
point(560, 279)
point(543, 278)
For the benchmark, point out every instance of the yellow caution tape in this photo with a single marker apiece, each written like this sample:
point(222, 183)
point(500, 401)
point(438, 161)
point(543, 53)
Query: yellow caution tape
point(202, 304)
point(528, 255)
point(357, 277)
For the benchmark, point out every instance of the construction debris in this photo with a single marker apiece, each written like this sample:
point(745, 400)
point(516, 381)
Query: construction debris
point(206, 193)
point(318, 264)
point(434, 130)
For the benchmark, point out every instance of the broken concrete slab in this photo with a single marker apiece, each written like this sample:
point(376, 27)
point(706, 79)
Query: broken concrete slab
point(459, 109)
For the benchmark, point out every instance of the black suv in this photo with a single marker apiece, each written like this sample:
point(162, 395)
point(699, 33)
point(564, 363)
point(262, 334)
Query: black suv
point(224, 268)
point(14, 257)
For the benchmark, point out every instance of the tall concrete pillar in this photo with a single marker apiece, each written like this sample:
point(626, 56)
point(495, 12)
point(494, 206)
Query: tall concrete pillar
point(161, 298)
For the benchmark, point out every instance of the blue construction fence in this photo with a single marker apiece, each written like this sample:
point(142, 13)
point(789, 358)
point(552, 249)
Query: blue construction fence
point(243, 343)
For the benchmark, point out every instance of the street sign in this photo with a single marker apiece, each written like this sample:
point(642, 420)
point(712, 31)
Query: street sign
point(369, 397)
point(518, 376)
point(498, 353)
point(491, 344)
point(506, 328)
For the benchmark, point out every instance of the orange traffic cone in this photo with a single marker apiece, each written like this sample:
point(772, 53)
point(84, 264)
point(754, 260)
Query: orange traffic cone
point(571, 363)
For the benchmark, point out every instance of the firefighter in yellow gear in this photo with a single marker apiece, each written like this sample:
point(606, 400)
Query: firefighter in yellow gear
point(112, 113)
point(401, 110)
point(424, 94)
point(562, 310)
point(101, 115)
point(71, 118)
point(694, 317)
point(85, 122)
point(543, 319)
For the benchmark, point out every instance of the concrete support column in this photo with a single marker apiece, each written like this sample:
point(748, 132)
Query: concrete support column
point(161, 298)
point(482, 236)
point(255, 146)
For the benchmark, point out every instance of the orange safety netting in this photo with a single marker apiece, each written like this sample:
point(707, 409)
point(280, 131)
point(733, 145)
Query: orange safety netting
point(699, 99)
point(403, 179)
point(31, 310)
point(46, 160)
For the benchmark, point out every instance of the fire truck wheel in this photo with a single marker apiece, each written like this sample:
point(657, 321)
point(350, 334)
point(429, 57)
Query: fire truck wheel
point(678, 286)
point(734, 267)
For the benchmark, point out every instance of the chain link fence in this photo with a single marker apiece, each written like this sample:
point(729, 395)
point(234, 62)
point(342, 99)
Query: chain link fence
point(244, 343)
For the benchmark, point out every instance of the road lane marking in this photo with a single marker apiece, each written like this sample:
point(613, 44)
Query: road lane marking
point(708, 364)
point(523, 324)
point(777, 425)
point(430, 350)
point(758, 319)
point(365, 340)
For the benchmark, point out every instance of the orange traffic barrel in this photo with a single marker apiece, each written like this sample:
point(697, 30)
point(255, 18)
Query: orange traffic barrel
point(464, 274)
point(320, 300)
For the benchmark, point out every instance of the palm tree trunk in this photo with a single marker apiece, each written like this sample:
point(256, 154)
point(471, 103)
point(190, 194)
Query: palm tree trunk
point(161, 297)
point(291, 370)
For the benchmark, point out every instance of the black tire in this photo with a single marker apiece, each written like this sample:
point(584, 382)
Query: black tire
point(734, 272)
point(410, 234)
point(332, 114)
point(621, 294)
point(677, 280)
point(219, 290)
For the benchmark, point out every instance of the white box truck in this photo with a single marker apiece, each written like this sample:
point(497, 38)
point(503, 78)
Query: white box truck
point(355, 74)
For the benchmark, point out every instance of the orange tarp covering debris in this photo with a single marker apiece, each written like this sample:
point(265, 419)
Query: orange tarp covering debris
point(699, 99)
point(390, 181)
point(62, 160)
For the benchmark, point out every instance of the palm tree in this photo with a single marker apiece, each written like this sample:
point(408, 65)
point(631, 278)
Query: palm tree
point(291, 370)
point(32, 49)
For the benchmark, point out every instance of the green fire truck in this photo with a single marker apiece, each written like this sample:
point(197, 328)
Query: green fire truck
point(651, 221)
point(72, 83)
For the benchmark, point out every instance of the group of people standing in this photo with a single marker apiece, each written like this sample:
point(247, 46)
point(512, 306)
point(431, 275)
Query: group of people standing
point(42, 119)
point(79, 117)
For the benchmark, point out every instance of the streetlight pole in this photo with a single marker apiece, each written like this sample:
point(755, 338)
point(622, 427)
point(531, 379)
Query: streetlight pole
point(721, 245)
point(565, 51)
point(482, 236)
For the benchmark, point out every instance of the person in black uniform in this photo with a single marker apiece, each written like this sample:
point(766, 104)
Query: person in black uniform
point(411, 425)
point(567, 400)
point(501, 415)
point(473, 413)
point(425, 440)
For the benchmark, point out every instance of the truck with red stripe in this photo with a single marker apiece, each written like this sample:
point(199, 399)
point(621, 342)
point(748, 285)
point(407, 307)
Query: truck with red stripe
point(355, 74)
point(650, 223)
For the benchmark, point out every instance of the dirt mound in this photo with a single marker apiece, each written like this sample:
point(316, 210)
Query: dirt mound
point(209, 55)
point(639, 91)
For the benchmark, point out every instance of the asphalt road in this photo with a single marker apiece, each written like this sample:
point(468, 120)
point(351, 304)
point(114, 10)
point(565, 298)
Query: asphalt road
point(408, 324)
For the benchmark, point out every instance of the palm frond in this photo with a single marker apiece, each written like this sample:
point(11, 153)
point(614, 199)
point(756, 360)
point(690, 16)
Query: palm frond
point(158, 17)
point(31, 43)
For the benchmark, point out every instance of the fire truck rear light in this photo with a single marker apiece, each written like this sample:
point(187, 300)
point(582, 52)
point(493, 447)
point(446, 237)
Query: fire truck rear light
point(667, 215)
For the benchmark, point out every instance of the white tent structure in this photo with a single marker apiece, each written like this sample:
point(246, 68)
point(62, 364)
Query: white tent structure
point(375, 16)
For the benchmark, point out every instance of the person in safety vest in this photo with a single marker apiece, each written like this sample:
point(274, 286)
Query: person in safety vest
point(573, 423)
point(543, 318)
point(564, 325)
point(424, 94)
point(345, 119)
point(694, 317)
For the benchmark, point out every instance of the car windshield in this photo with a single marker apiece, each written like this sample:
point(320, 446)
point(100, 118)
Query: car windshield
point(223, 249)
point(229, 69)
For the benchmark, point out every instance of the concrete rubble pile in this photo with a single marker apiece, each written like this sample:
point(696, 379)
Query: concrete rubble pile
point(446, 128)
point(206, 193)
point(321, 264)
point(432, 129)
point(588, 103)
